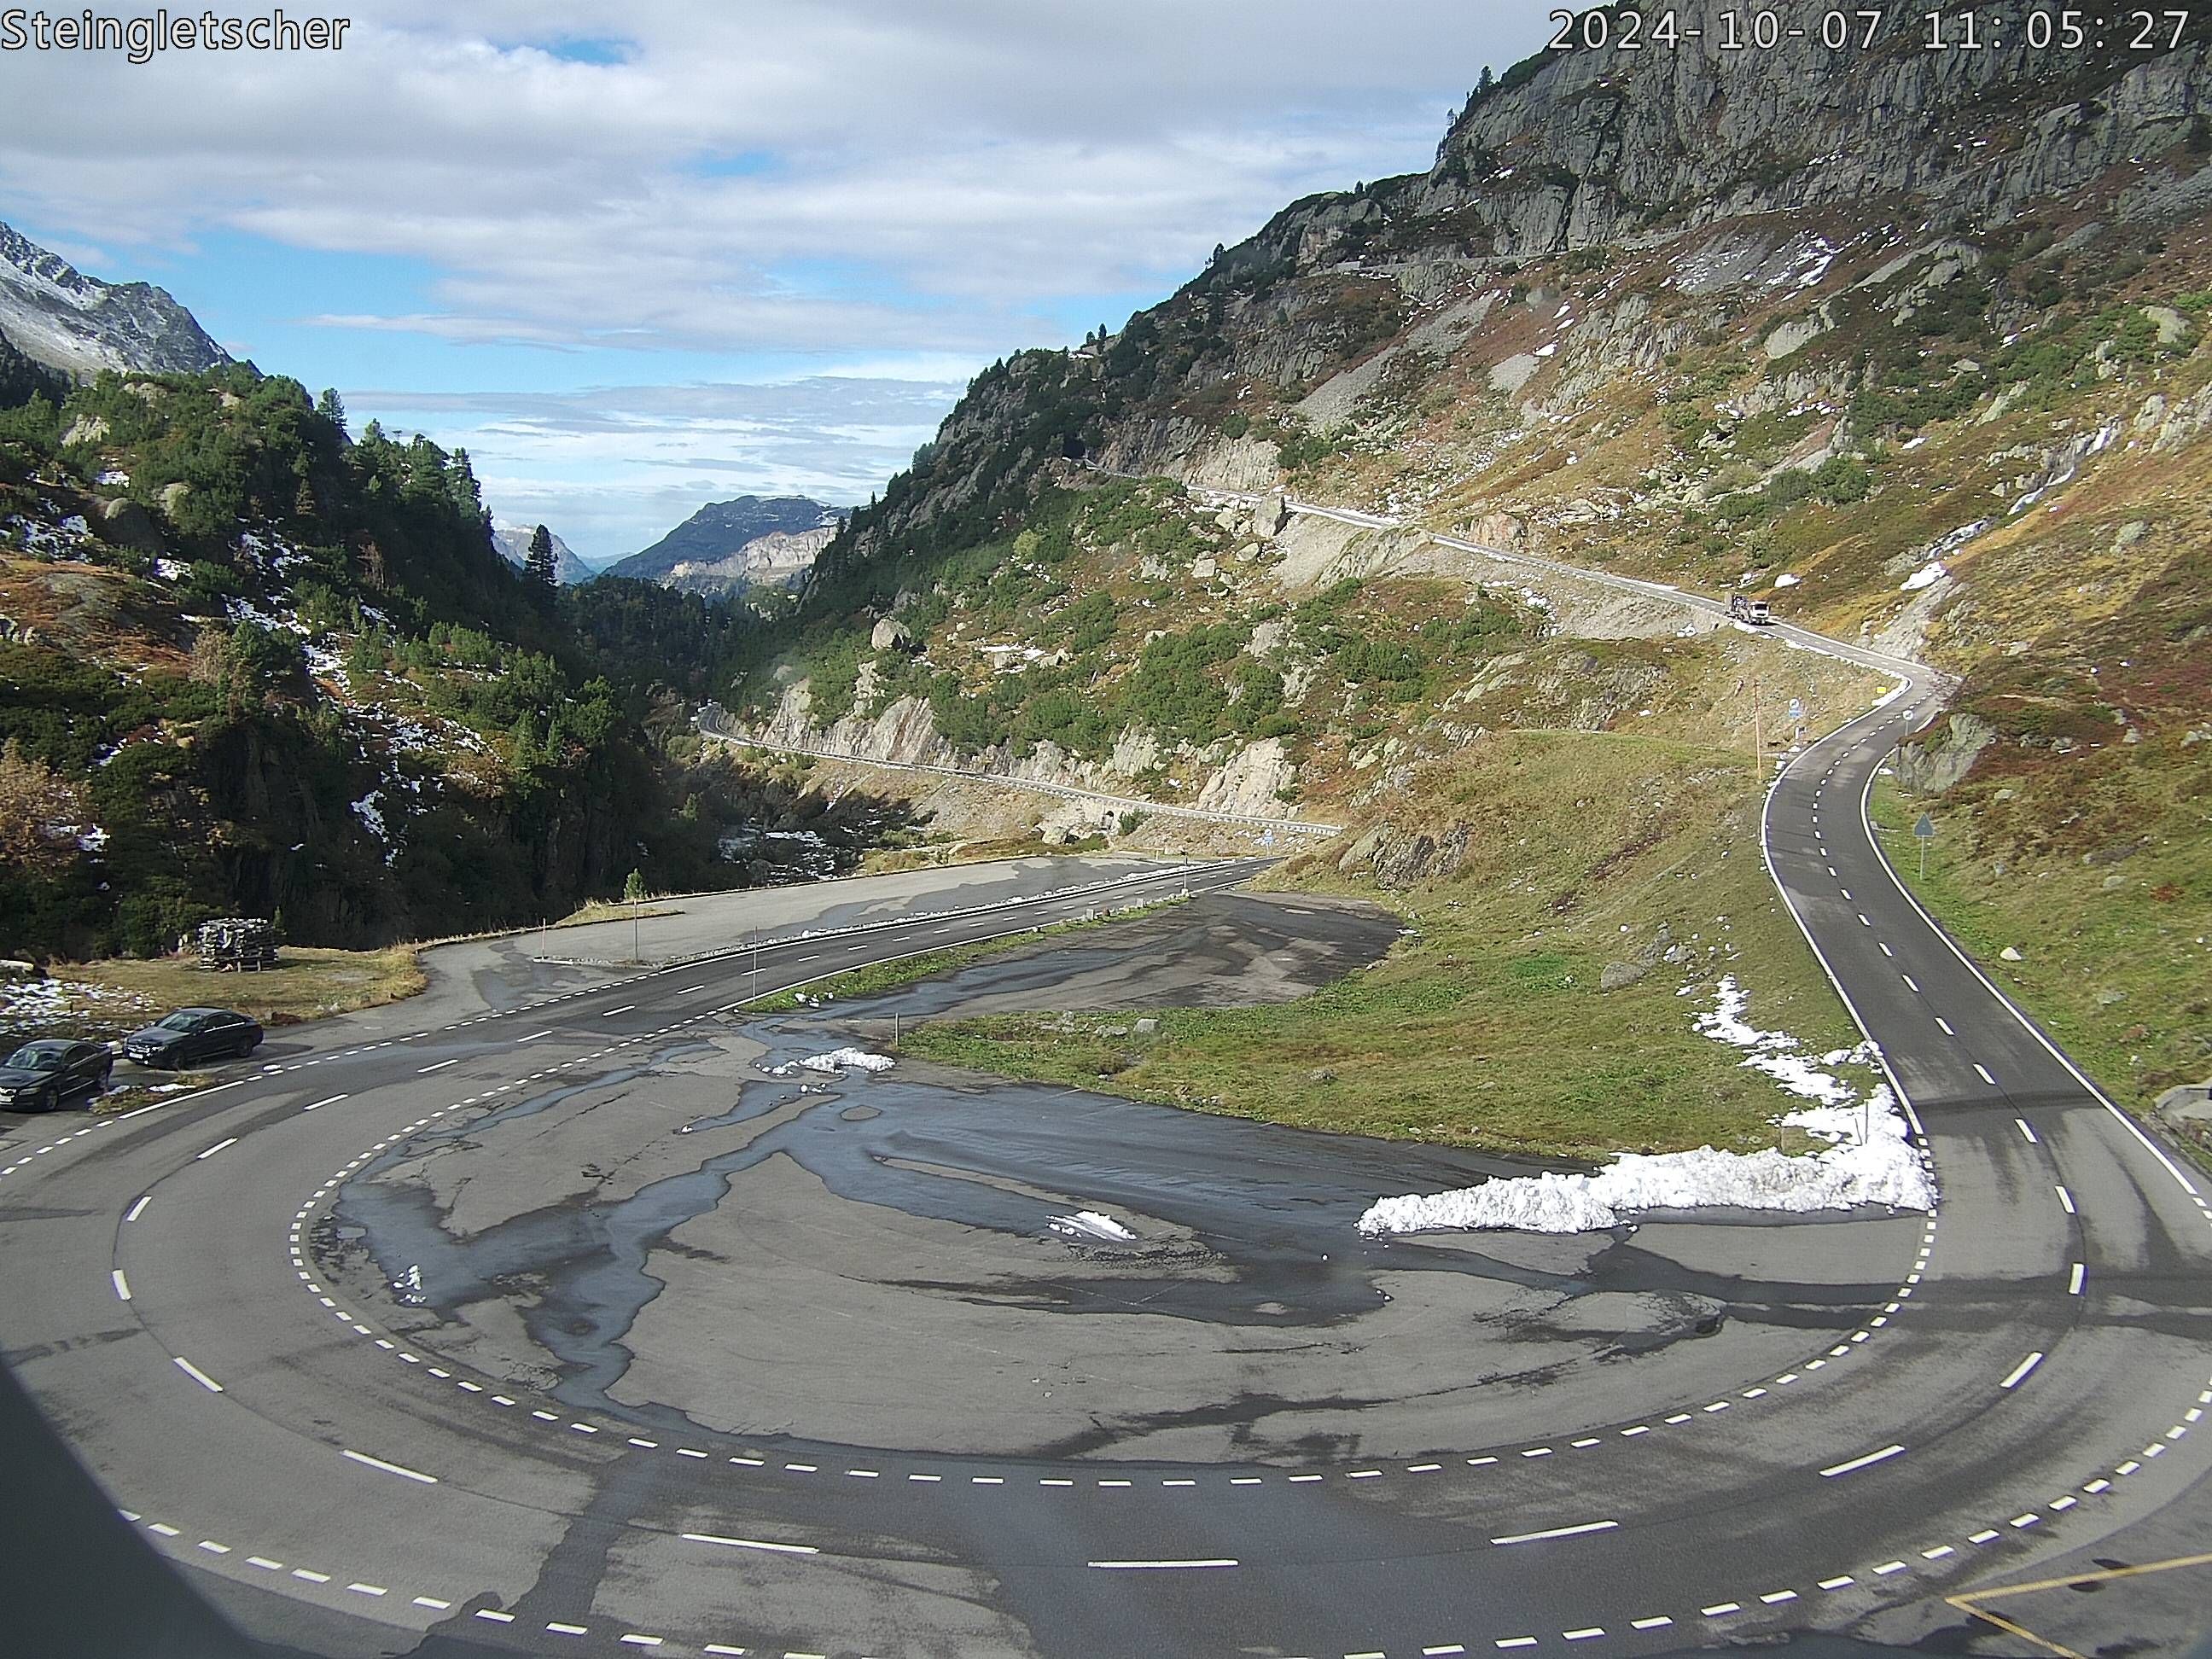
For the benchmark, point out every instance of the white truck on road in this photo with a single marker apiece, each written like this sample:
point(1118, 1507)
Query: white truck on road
point(1757, 612)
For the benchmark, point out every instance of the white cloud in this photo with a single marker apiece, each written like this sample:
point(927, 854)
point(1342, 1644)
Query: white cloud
point(902, 175)
point(612, 467)
point(829, 200)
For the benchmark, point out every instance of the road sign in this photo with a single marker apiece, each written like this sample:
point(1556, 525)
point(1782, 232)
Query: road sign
point(1925, 829)
point(1796, 711)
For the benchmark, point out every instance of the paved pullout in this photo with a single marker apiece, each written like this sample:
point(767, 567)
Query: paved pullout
point(801, 1444)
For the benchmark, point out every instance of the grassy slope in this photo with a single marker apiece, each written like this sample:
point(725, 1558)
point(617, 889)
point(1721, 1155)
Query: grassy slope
point(1487, 1028)
point(307, 983)
point(2120, 975)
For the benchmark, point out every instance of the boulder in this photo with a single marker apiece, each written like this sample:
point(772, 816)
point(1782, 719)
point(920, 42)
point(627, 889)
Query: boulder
point(1618, 975)
point(1206, 569)
point(1269, 517)
point(123, 523)
point(2011, 953)
point(891, 635)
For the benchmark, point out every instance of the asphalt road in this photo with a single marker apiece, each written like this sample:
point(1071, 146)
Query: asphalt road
point(2016, 1381)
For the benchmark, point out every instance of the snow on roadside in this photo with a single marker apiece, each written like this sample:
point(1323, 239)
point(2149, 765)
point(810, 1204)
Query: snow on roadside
point(27, 1003)
point(848, 1060)
point(1884, 1168)
point(1091, 1224)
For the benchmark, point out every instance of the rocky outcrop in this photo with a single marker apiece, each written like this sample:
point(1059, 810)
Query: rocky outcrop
point(1937, 759)
point(1248, 781)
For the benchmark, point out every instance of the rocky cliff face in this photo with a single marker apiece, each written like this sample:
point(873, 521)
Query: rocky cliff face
point(776, 560)
point(79, 326)
point(1731, 180)
point(1604, 147)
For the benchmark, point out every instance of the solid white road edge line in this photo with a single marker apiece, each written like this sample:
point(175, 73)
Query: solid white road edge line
point(122, 1285)
point(139, 1208)
point(213, 1149)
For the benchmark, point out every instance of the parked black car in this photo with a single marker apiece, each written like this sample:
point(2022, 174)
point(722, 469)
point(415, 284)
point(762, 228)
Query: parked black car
point(193, 1035)
point(39, 1076)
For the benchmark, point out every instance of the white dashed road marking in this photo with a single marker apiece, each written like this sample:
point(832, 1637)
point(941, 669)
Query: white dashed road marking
point(2019, 1371)
point(1556, 1531)
point(1158, 1566)
point(753, 1544)
point(1833, 1470)
point(197, 1374)
point(393, 1468)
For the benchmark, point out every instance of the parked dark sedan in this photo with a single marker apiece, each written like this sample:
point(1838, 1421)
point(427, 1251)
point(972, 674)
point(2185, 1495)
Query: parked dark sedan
point(193, 1035)
point(39, 1076)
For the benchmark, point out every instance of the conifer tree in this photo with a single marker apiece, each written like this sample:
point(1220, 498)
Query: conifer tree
point(540, 563)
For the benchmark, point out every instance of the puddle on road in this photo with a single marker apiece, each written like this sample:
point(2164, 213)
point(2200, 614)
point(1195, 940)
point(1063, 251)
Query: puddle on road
point(1259, 1220)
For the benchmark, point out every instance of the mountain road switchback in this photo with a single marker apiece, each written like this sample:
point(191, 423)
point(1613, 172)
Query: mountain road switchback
point(571, 1310)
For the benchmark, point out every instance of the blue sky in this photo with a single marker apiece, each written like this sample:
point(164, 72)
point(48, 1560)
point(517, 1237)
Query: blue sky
point(639, 257)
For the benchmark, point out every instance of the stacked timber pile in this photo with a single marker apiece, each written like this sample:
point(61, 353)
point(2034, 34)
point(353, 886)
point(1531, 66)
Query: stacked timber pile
point(235, 943)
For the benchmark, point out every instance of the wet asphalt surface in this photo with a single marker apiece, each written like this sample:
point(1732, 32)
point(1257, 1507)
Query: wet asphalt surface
point(1244, 1232)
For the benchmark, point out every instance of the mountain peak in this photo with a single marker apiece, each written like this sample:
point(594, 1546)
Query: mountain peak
point(720, 533)
point(57, 315)
point(513, 541)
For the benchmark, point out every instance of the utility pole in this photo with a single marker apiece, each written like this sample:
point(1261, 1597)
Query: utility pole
point(634, 955)
point(1758, 733)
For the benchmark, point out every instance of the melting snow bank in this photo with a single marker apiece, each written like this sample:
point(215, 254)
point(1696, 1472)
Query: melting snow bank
point(848, 1060)
point(1883, 1168)
point(1089, 1224)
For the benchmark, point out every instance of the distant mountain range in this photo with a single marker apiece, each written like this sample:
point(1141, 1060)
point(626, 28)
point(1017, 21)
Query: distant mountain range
point(753, 541)
point(56, 315)
point(513, 540)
